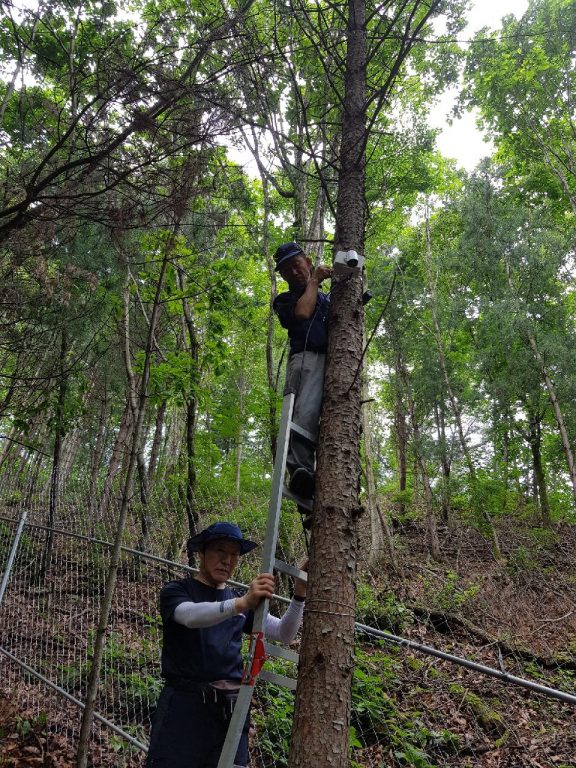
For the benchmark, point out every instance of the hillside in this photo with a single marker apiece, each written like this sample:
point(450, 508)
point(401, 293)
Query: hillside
point(410, 709)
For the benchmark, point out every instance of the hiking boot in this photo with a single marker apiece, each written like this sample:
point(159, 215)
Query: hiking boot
point(302, 483)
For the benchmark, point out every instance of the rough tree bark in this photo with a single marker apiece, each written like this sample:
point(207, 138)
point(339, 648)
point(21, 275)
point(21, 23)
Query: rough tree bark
point(323, 698)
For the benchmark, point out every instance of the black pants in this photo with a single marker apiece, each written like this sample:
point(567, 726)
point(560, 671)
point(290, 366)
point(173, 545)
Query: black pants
point(185, 733)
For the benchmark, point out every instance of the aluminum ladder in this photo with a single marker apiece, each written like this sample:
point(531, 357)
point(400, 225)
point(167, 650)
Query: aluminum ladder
point(260, 649)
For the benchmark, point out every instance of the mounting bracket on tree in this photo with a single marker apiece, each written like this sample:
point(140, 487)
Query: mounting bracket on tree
point(348, 263)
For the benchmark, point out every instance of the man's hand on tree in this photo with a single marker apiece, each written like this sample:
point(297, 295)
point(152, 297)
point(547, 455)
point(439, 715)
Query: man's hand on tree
point(321, 272)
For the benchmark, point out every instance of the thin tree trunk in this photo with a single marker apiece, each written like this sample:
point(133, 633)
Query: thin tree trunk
point(270, 320)
point(381, 540)
point(120, 445)
point(541, 490)
point(133, 399)
point(401, 435)
point(156, 441)
point(432, 541)
point(144, 488)
point(8, 445)
point(55, 480)
point(551, 389)
point(97, 455)
point(191, 413)
point(444, 462)
point(241, 386)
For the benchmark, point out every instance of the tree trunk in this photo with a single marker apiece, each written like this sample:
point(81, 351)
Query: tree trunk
point(542, 503)
point(432, 541)
point(97, 454)
point(144, 488)
point(323, 698)
point(118, 450)
point(551, 389)
point(444, 462)
point(156, 441)
point(381, 540)
point(59, 432)
point(401, 435)
point(191, 406)
point(70, 447)
point(241, 386)
point(271, 371)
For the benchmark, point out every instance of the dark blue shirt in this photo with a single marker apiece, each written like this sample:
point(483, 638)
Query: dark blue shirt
point(311, 334)
point(207, 654)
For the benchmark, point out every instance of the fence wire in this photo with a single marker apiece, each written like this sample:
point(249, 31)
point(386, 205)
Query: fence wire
point(51, 606)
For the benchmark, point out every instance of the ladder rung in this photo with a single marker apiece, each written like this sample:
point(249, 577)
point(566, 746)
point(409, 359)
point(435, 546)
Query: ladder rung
point(306, 504)
point(281, 653)
point(272, 677)
point(290, 570)
point(301, 432)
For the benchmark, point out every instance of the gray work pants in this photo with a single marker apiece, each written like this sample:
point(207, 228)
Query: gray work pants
point(305, 379)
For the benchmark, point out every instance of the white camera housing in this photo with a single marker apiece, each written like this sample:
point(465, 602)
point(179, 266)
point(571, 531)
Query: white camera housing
point(348, 263)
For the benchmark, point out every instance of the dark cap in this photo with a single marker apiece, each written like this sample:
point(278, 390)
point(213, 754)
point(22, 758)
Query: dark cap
point(221, 530)
point(286, 251)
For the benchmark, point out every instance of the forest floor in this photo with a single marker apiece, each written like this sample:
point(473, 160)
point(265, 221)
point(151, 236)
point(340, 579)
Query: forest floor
point(517, 615)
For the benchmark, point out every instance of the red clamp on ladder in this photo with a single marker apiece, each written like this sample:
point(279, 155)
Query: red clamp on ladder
point(257, 658)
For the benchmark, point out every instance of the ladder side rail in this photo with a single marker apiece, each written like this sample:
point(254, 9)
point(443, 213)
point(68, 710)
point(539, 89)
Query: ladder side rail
point(271, 538)
point(242, 706)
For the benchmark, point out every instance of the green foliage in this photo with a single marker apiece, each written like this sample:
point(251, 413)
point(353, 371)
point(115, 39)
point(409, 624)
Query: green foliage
point(377, 719)
point(383, 611)
point(274, 725)
point(25, 727)
point(452, 595)
point(519, 81)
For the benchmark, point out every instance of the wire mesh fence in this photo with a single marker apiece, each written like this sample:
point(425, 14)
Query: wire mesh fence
point(51, 605)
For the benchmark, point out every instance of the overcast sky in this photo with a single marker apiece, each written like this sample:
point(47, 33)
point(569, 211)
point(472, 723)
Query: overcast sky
point(463, 141)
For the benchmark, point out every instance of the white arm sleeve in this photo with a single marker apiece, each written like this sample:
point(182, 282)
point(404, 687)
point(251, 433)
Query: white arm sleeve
point(198, 615)
point(286, 628)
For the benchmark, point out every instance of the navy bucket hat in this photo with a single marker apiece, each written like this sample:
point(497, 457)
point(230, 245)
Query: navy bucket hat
point(223, 530)
point(285, 252)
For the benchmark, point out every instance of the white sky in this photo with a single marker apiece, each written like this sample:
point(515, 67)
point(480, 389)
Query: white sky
point(462, 140)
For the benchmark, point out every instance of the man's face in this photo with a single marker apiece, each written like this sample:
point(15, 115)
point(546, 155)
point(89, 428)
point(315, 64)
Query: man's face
point(296, 271)
point(218, 561)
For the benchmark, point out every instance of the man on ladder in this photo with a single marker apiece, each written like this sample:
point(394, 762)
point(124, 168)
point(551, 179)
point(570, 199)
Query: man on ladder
point(303, 311)
point(203, 620)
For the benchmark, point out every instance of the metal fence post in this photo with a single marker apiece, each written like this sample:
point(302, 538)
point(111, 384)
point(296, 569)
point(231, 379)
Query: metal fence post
point(12, 555)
